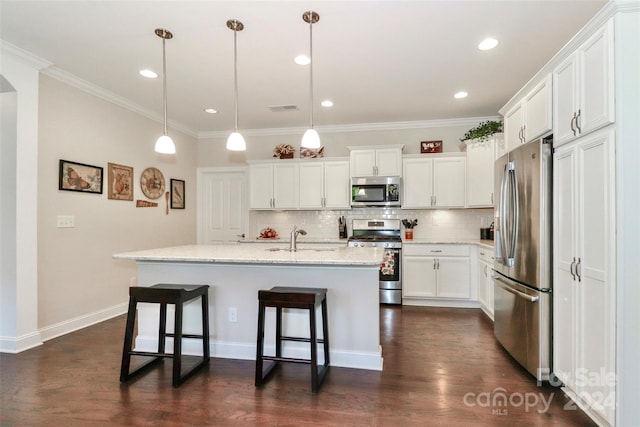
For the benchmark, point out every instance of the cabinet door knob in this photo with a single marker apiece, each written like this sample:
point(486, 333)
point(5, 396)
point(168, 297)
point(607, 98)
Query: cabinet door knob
point(579, 270)
point(571, 267)
point(578, 121)
point(573, 120)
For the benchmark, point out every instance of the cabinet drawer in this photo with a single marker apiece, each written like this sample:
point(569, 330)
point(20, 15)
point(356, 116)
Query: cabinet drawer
point(435, 250)
point(486, 255)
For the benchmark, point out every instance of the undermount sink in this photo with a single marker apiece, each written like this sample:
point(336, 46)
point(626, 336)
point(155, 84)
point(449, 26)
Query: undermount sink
point(302, 249)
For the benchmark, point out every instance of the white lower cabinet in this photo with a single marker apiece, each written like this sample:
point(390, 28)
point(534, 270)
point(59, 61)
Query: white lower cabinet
point(584, 288)
point(485, 282)
point(437, 275)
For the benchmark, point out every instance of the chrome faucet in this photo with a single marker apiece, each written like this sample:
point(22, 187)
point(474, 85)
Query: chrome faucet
point(294, 236)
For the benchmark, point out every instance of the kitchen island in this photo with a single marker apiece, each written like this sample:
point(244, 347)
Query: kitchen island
point(235, 273)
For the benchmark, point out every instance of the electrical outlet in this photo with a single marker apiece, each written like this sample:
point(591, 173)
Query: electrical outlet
point(65, 221)
point(233, 314)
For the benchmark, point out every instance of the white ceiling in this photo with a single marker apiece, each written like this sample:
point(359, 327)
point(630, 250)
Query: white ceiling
point(378, 61)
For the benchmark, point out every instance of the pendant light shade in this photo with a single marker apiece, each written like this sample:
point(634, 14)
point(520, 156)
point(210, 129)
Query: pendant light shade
point(235, 142)
point(310, 139)
point(164, 144)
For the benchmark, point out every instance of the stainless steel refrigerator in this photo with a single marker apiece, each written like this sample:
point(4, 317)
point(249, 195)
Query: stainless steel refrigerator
point(522, 277)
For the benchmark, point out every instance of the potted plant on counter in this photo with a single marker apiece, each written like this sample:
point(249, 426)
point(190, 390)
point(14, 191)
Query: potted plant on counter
point(408, 227)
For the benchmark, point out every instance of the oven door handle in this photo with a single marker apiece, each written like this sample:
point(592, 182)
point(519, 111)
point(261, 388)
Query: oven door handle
point(504, 285)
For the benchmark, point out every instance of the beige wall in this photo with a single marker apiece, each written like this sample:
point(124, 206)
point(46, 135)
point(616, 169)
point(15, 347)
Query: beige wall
point(212, 151)
point(76, 276)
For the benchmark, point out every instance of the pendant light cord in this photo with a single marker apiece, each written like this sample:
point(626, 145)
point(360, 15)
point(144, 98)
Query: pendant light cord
point(311, 67)
point(235, 73)
point(164, 83)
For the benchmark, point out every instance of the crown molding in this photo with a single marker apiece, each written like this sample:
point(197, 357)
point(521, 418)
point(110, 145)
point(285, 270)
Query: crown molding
point(358, 127)
point(23, 56)
point(90, 88)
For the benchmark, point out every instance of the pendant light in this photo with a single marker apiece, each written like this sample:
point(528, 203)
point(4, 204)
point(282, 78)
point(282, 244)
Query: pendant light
point(235, 142)
point(311, 139)
point(164, 144)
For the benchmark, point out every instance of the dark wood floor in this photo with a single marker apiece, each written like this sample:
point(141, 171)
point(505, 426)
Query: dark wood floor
point(441, 367)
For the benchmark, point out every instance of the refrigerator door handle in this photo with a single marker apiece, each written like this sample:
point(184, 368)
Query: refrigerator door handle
point(515, 212)
point(515, 292)
point(510, 214)
point(501, 246)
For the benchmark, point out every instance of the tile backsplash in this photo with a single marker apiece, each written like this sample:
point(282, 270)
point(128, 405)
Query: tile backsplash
point(432, 224)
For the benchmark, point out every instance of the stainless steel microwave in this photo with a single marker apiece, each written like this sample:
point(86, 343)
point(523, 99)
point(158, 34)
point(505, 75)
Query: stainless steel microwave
point(381, 191)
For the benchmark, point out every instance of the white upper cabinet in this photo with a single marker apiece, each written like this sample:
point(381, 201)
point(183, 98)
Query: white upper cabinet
point(324, 185)
point(273, 186)
point(417, 185)
point(513, 125)
point(449, 182)
point(376, 161)
point(531, 117)
point(311, 178)
point(337, 186)
point(583, 98)
point(261, 186)
point(480, 164)
point(434, 182)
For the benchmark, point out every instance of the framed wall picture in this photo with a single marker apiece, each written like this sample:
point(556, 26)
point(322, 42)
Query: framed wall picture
point(431, 147)
point(177, 194)
point(75, 176)
point(120, 182)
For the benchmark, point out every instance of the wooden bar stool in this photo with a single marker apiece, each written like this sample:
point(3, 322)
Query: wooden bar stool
point(164, 294)
point(292, 297)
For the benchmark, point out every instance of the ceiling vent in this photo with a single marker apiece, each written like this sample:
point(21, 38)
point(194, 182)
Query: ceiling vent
point(282, 108)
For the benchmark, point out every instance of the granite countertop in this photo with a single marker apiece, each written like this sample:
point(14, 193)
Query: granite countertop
point(301, 241)
point(259, 254)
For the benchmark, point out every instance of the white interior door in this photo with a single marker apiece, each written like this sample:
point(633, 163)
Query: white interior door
point(222, 205)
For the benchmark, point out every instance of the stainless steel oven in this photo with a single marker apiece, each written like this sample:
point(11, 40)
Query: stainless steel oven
point(382, 233)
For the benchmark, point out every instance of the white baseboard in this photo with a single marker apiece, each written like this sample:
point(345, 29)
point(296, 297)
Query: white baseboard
point(242, 351)
point(435, 302)
point(18, 344)
point(71, 325)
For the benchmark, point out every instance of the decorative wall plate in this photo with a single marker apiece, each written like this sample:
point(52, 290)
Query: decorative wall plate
point(152, 183)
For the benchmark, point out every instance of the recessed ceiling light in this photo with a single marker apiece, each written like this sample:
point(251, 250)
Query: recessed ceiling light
point(210, 110)
point(302, 60)
point(461, 95)
point(148, 74)
point(488, 43)
point(327, 103)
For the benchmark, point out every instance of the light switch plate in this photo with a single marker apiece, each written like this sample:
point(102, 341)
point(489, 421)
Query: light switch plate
point(65, 221)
